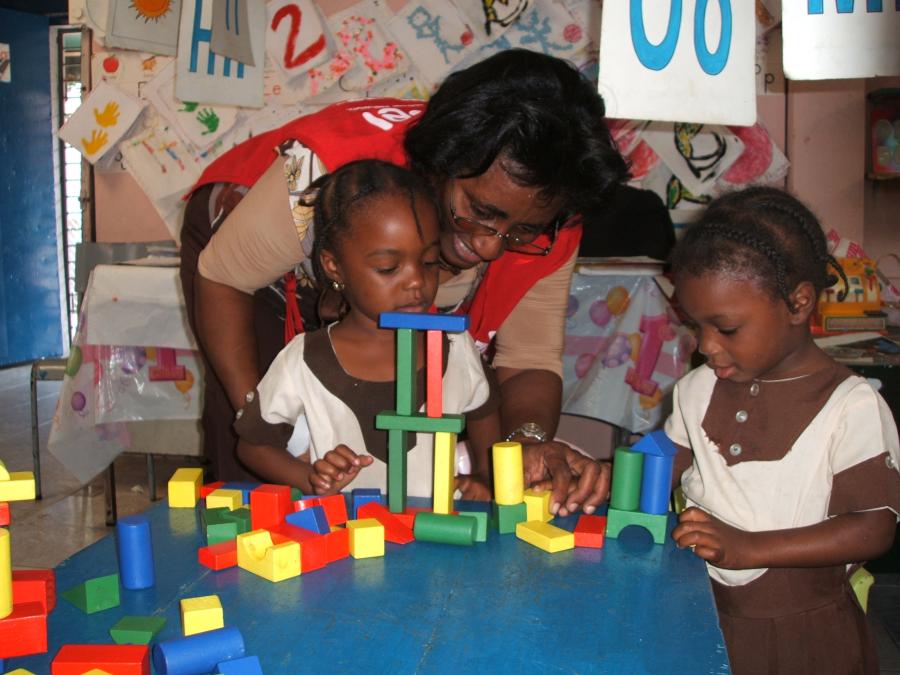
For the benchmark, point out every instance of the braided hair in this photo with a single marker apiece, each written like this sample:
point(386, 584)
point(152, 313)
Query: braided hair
point(759, 233)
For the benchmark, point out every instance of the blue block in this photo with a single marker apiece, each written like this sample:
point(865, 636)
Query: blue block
point(245, 488)
point(361, 496)
point(135, 548)
point(449, 323)
point(655, 443)
point(312, 519)
point(656, 484)
point(249, 665)
point(200, 653)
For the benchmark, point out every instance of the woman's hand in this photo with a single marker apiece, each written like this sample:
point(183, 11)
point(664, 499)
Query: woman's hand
point(716, 542)
point(577, 481)
point(337, 469)
point(474, 488)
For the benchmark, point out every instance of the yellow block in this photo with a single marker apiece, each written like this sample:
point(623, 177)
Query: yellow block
point(509, 479)
point(545, 536)
point(276, 562)
point(538, 505)
point(94, 671)
point(366, 538)
point(18, 487)
point(444, 471)
point(6, 597)
point(22, 671)
point(230, 499)
point(184, 488)
point(201, 614)
point(4, 474)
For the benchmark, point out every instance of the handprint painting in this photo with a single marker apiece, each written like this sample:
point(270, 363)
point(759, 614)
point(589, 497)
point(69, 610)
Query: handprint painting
point(101, 122)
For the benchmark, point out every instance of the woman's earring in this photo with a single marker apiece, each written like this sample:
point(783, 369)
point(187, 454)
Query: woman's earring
point(338, 286)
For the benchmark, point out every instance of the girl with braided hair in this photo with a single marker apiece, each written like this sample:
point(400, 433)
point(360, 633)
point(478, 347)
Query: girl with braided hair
point(310, 421)
point(787, 459)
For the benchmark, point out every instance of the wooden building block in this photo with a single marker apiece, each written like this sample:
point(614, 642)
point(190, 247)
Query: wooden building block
point(210, 487)
point(537, 505)
point(655, 524)
point(95, 595)
point(590, 531)
point(312, 519)
point(4, 472)
point(628, 467)
point(545, 536)
point(507, 516)
point(136, 630)
point(335, 509)
point(241, 517)
point(19, 487)
point(442, 528)
point(434, 373)
point(201, 614)
point(448, 323)
point(337, 544)
point(24, 631)
point(6, 587)
point(360, 496)
point(229, 499)
point(184, 488)
point(481, 523)
point(406, 371)
point(4, 514)
point(398, 446)
point(444, 472)
point(394, 530)
point(366, 538)
point(257, 553)
point(245, 487)
point(218, 556)
point(247, 665)
point(313, 546)
point(269, 504)
point(509, 476)
point(35, 586)
point(420, 422)
point(113, 659)
point(19, 671)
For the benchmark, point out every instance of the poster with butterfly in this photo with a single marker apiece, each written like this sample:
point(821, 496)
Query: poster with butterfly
point(144, 25)
point(101, 121)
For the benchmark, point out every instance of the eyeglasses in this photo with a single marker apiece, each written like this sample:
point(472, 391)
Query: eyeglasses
point(518, 239)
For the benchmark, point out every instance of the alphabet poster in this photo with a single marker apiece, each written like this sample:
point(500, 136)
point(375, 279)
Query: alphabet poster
point(834, 39)
point(295, 36)
point(231, 32)
point(100, 122)
point(684, 61)
point(144, 25)
point(202, 76)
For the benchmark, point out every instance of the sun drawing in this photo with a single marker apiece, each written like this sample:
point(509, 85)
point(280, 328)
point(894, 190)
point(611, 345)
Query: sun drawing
point(152, 9)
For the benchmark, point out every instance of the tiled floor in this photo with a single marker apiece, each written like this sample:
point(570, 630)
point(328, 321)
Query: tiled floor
point(70, 517)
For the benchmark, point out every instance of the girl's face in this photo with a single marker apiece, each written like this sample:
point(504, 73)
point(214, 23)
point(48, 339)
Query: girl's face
point(383, 261)
point(743, 332)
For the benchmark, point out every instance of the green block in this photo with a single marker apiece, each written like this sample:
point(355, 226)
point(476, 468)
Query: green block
point(296, 493)
point(398, 445)
point(219, 532)
point(628, 467)
point(420, 422)
point(95, 595)
point(507, 517)
point(136, 630)
point(481, 523)
point(406, 370)
point(215, 516)
point(655, 524)
point(241, 517)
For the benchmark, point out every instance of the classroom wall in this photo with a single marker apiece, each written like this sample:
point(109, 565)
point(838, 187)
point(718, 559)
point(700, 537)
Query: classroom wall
point(30, 323)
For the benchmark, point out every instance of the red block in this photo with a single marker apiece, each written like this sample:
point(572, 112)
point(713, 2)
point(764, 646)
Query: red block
point(434, 373)
point(4, 514)
point(24, 631)
point(590, 531)
point(114, 659)
point(394, 530)
point(306, 503)
point(35, 586)
point(210, 487)
point(337, 544)
point(218, 556)
point(335, 509)
point(313, 546)
point(269, 504)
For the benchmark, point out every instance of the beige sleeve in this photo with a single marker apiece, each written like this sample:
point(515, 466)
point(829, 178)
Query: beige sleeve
point(257, 243)
point(532, 335)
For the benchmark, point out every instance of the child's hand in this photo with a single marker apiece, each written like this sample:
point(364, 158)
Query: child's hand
point(474, 488)
point(719, 544)
point(337, 469)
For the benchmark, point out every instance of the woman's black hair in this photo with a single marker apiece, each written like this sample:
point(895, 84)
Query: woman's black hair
point(759, 233)
point(338, 195)
point(537, 113)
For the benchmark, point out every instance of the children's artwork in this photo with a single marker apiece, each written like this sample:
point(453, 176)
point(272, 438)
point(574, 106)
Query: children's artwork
point(546, 27)
point(697, 154)
point(761, 163)
point(144, 25)
point(202, 76)
point(165, 168)
point(199, 124)
point(689, 61)
point(5, 63)
point(434, 35)
point(100, 122)
point(90, 13)
point(489, 20)
point(129, 71)
point(231, 32)
point(295, 36)
point(677, 198)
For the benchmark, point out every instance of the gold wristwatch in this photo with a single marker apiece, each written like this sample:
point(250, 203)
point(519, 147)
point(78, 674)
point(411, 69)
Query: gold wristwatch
point(529, 430)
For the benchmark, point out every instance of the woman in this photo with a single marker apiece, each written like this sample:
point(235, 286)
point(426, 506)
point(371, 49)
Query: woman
point(515, 146)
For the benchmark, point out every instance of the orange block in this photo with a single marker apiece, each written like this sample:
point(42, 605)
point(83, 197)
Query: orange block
point(24, 631)
point(113, 659)
point(590, 531)
point(218, 556)
point(35, 586)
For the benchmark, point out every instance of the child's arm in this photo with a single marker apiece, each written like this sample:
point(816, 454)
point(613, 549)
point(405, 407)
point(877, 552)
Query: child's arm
point(337, 469)
point(276, 465)
point(847, 538)
point(483, 432)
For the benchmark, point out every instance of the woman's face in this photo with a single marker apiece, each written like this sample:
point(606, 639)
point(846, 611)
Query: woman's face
point(496, 201)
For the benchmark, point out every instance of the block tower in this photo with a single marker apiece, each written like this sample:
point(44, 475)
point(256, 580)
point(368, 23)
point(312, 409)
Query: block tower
point(405, 418)
point(642, 477)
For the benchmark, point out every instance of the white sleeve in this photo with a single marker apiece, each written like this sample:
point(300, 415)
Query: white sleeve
point(280, 398)
point(470, 360)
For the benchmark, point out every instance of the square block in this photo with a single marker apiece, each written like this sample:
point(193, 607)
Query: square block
point(590, 531)
point(545, 536)
point(241, 517)
point(95, 595)
point(335, 509)
point(19, 487)
point(218, 556)
point(481, 523)
point(136, 630)
point(538, 505)
point(366, 538)
point(24, 631)
point(35, 586)
point(220, 532)
point(337, 544)
point(506, 517)
point(269, 504)
point(258, 553)
point(229, 499)
point(361, 496)
point(184, 488)
point(201, 614)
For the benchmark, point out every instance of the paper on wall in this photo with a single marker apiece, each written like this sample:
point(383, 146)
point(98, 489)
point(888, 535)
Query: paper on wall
point(761, 162)
point(101, 121)
point(231, 36)
point(128, 70)
point(295, 36)
point(144, 26)
point(490, 20)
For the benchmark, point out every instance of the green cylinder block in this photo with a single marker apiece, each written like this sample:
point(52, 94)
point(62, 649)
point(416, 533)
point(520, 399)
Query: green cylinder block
point(626, 480)
point(444, 529)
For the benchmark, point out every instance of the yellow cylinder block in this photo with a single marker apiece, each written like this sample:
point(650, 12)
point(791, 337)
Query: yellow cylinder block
point(509, 479)
point(6, 596)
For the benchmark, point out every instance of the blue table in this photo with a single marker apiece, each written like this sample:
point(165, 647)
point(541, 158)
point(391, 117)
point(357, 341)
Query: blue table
point(498, 607)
